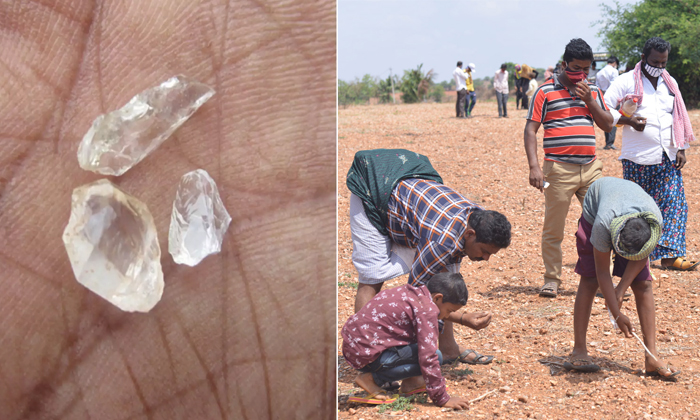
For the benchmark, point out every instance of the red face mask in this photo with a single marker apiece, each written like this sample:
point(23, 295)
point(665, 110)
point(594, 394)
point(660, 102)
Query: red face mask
point(575, 76)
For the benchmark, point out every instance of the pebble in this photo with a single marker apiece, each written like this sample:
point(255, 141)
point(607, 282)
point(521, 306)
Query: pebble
point(523, 398)
point(569, 393)
point(505, 389)
point(352, 411)
point(543, 331)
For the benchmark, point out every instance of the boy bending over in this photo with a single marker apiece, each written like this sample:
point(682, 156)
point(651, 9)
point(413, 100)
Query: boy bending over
point(394, 337)
point(618, 216)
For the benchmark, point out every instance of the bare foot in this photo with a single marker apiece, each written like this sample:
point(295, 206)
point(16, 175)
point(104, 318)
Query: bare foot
point(411, 384)
point(366, 382)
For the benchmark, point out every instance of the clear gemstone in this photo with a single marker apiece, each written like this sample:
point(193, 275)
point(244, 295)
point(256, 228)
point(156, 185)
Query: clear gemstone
point(119, 140)
point(199, 219)
point(113, 246)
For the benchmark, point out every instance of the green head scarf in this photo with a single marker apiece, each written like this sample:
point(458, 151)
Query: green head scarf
point(619, 223)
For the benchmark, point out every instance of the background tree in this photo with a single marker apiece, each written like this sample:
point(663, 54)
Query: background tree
point(437, 92)
point(415, 84)
point(384, 91)
point(358, 91)
point(626, 28)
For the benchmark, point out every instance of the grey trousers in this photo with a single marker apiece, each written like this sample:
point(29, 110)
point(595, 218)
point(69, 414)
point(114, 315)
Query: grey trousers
point(461, 99)
point(502, 99)
point(610, 137)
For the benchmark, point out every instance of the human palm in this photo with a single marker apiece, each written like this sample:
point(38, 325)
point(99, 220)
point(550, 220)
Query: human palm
point(248, 333)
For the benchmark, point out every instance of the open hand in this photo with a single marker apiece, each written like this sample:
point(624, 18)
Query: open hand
point(477, 320)
point(248, 333)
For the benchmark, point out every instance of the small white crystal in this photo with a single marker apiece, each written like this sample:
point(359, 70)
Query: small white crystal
point(199, 219)
point(113, 246)
point(119, 140)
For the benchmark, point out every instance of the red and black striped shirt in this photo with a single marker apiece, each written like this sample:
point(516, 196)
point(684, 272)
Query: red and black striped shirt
point(569, 136)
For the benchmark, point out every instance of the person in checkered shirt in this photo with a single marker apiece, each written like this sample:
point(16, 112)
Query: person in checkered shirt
point(403, 220)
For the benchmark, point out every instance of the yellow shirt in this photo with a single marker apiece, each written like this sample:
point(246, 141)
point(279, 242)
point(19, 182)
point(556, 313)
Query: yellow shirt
point(470, 82)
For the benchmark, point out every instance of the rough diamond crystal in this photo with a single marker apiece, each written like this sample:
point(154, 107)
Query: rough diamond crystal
point(121, 139)
point(113, 246)
point(199, 219)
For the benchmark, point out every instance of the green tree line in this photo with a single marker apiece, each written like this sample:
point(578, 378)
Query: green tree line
point(625, 29)
point(415, 85)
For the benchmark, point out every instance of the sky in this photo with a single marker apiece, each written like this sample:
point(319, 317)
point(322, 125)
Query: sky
point(377, 35)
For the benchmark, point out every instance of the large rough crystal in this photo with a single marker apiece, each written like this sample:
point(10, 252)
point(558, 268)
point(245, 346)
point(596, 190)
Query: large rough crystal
point(113, 246)
point(121, 139)
point(199, 219)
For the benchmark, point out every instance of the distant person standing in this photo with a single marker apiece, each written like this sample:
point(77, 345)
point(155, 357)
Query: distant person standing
point(567, 106)
point(654, 143)
point(592, 72)
point(603, 79)
point(500, 83)
point(518, 91)
point(526, 74)
point(461, 87)
point(532, 87)
point(548, 73)
point(470, 99)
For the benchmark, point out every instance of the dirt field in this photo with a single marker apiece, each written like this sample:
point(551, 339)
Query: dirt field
point(483, 158)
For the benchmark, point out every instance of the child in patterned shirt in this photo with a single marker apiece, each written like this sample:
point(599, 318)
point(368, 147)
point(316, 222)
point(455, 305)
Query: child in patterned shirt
point(395, 338)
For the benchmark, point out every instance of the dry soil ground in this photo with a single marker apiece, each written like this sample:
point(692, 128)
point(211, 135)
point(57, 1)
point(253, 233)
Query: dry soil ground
point(483, 158)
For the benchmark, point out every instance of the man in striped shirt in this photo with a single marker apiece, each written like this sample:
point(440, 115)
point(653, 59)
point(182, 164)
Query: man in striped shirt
point(425, 228)
point(567, 105)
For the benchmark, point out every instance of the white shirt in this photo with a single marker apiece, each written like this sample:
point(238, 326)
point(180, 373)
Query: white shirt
point(646, 147)
point(606, 76)
point(460, 78)
point(500, 81)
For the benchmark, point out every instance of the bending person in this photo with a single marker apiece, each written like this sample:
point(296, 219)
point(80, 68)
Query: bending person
point(404, 220)
point(618, 217)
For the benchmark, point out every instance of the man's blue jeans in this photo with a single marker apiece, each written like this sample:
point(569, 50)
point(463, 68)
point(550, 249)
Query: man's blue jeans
point(396, 364)
point(502, 99)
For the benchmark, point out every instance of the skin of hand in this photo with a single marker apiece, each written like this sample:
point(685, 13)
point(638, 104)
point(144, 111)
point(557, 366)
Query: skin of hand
point(476, 320)
point(681, 160)
point(457, 403)
point(536, 177)
point(602, 118)
point(638, 123)
point(248, 333)
point(602, 268)
point(631, 271)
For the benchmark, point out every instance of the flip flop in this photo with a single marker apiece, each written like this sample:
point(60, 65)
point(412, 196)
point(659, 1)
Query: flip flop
point(479, 359)
point(589, 366)
point(416, 391)
point(681, 264)
point(549, 289)
point(668, 378)
point(370, 399)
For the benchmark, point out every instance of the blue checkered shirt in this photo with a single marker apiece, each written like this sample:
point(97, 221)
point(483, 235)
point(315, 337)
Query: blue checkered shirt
point(432, 218)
